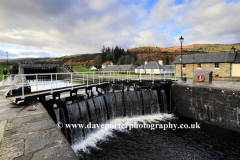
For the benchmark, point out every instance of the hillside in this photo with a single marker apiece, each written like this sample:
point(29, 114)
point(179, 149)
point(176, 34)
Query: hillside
point(79, 59)
point(148, 53)
point(169, 54)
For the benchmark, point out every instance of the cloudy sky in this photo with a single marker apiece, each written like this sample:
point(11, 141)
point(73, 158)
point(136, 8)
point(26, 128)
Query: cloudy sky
point(54, 28)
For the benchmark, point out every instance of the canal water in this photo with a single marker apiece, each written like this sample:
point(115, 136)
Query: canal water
point(206, 142)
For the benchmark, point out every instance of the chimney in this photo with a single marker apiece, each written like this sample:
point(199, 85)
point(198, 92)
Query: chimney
point(233, 49)
point(146, 62)
point(160, 62)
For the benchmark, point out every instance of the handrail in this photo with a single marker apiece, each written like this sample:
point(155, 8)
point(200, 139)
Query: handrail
point(98, 77)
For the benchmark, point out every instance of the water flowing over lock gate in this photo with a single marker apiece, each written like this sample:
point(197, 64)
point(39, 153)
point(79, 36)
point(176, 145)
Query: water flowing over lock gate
point(101, 109)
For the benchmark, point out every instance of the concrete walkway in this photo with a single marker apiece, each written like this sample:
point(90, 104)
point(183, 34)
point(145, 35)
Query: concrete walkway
point(26, 135)
point(219, 84)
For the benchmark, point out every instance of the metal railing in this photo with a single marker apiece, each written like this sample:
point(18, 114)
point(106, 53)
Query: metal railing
point(84, 78)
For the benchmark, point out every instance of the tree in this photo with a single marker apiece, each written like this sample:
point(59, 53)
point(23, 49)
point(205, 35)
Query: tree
point(167, 61)
point(97, 61)
point(140, 61)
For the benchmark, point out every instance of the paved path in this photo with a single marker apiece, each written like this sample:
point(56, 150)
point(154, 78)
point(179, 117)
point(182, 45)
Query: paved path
point(26, 135)
point(220, 84)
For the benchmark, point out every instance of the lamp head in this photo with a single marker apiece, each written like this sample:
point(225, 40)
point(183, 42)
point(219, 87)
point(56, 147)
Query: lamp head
point(181, 39)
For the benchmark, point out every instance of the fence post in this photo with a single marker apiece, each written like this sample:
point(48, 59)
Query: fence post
point(175, 74)
point(118, 75)
point(113, 79)
point(72, 80)
point(11, 83)
point(83, 77)
point(87, 79)
point(37, 81)
point(164, 75)
point(22, 88)
point(56, 80)
point(140, 76)
point(153, 75)
point(99, 74)
point(129, 77)
point(51, 84)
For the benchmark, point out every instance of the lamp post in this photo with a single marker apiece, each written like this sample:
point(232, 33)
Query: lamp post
point(7, 58)
point(181, 40)
point(193, 59)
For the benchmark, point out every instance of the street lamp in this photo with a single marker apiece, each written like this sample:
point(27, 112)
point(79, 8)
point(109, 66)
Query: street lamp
point(193, 59)
point(7, 58)
point(181, 40)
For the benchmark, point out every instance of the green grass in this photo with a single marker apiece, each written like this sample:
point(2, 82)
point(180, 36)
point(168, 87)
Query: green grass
point(81, 69)
point(77, 80)
point(1, 70)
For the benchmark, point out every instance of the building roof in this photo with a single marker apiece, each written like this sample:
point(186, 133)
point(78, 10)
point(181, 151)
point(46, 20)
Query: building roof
point(127, 67)
point(108, 62)
point(221, 57)
point(237, 59)
point(140, 67)
point(155, 65)
point(152, 65)
point(168, 68)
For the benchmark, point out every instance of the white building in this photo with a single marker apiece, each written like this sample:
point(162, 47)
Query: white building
point(154, 68)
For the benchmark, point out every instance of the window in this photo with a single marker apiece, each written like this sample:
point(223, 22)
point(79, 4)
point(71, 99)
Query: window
point(138, 70)
point(152, 70)
point(199, 65)
point(216, 65)
point(183, 65)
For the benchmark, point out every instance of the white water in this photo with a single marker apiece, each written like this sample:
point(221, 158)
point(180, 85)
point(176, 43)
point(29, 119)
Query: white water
point(103, 134)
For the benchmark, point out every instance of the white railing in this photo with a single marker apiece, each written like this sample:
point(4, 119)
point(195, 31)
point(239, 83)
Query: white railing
point(84, 78)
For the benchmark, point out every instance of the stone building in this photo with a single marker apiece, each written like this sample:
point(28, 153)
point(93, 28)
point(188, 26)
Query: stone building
point(221, 64)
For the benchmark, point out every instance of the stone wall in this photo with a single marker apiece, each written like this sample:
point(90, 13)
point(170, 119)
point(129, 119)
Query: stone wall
point(217, 106)
point(224, 69)
point(31, 134)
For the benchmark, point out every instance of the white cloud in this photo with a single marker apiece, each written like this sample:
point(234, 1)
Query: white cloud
point(58, 27)
point(211, 23)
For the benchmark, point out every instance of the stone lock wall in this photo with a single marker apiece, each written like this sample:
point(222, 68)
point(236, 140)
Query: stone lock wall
point(224, 69)
point(217, 106)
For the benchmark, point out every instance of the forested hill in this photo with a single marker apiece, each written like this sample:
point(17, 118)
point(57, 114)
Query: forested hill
point(134, 55)
point(168, 55)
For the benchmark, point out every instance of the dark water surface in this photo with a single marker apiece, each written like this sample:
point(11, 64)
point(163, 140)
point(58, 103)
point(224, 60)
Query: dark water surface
point(208, 142)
